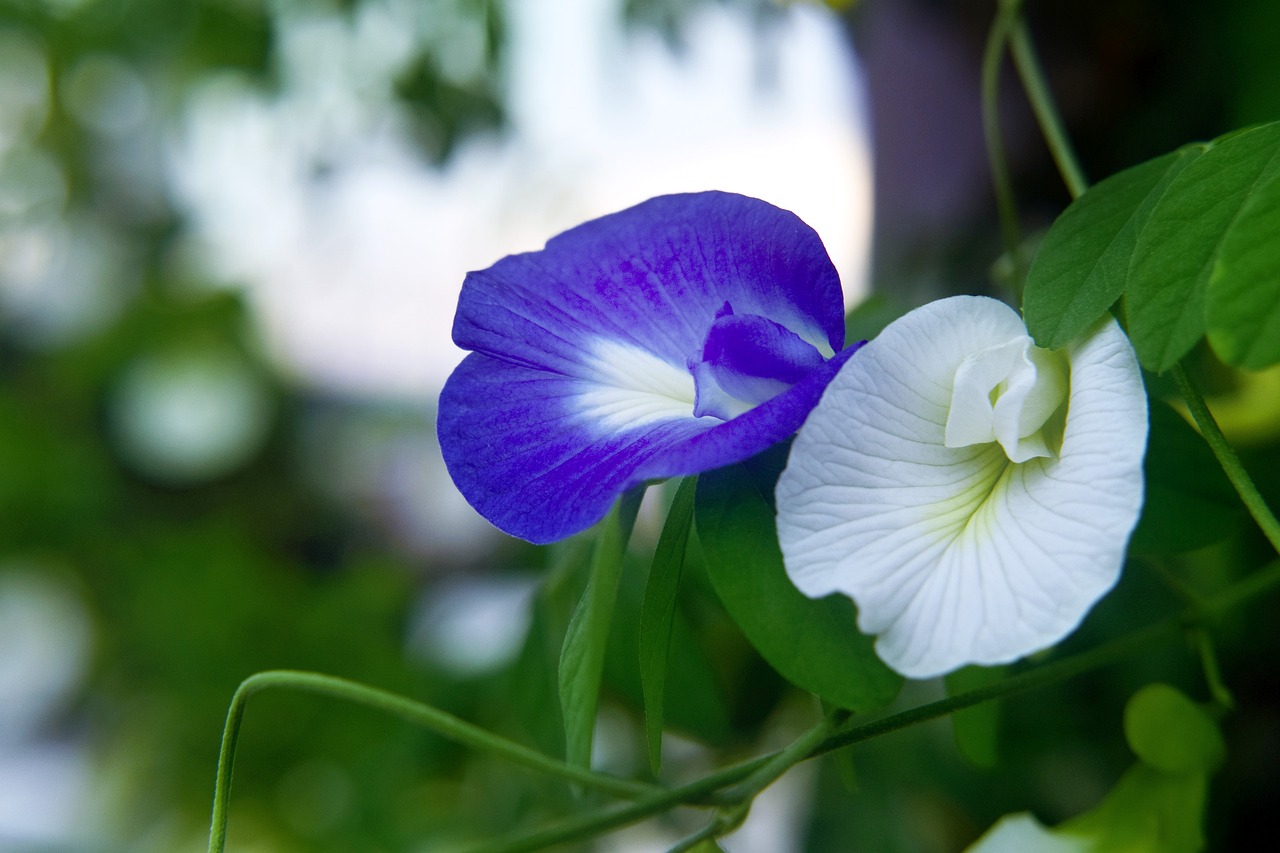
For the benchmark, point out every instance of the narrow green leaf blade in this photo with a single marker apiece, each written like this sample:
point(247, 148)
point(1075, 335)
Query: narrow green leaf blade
point(814, 644)
point(1178, 247)
point(582, 656)
point(657, 613)
point(1082, 266)
point(1244, 290)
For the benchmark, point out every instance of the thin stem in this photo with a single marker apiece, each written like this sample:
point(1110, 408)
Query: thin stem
point(780, 762)
point(1006, 204)
point(1227, 458)
point(442, 723)
point(703, 791)
point(1212, 671)
point(741, 795)
point(1047, 115)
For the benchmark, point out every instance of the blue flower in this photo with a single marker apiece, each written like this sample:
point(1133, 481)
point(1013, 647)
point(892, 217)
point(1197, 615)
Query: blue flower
point(680, 335)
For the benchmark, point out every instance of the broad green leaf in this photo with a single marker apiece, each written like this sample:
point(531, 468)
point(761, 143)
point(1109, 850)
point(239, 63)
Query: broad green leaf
point(658, 611)
point(815, 645)
point(582, 656)
point(1082, 266)
point(1171, 733)
point(1244, 290)
point(976, 728)
point(1189, 502)
point(1178, 246)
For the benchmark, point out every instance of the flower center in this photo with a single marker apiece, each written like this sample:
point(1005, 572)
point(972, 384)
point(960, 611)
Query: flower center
point(747, 359)
point(1013, 393)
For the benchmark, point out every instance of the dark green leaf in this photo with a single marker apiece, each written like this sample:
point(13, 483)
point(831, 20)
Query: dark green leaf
point(582, 656)
point(1178, 247)
point(1189, 502)
point(658, 611)
point(1244, 290)
point(976, 728)
point(1082, 266)
point(814, 644)
point(1171, 733)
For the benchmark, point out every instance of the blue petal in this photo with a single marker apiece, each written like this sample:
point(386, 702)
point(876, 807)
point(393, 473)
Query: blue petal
point(579, 384)
point(746, 360)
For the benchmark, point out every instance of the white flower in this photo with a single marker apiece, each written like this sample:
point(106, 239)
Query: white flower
point(971, 492)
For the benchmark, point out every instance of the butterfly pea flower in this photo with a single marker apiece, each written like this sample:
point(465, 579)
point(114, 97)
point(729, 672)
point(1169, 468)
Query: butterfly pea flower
point(680, 335)
point(971, 492)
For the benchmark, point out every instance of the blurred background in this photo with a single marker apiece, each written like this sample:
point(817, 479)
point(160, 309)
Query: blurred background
point(232, 233)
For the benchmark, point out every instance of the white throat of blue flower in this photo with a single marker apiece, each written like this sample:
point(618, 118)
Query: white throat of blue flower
point(744, 360)
point(1012, 393)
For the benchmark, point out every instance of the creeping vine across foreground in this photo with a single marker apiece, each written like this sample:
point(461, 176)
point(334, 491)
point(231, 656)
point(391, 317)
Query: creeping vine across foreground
point(715, 364)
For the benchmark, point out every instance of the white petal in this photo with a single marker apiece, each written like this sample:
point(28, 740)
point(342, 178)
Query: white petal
point(1022, 833)
point(956, 555)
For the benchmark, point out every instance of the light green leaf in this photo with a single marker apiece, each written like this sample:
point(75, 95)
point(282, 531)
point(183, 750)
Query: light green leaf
point(1147, 812)
point(1082, 266)
point(814, 644)
point(1244, 290)
point(1189, 502)
point(582, 656)
point(1178, 247)
point(658, 611)
point(976, 728)
point(1171, 733)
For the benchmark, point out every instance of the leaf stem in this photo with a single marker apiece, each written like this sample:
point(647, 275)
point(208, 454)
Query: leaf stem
point(1042, 104)
point(1227, 458)
point(442, 723)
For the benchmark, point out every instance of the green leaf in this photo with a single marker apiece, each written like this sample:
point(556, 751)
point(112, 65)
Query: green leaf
point(694, 698)
point(976, 728)
point(869, 317)
point(1147, 812)
point(846, 770)
point(814, 644)
point(534, 679)
point(658, 611)
point(1189, 502)
point(1082, 266)
point(582, 656)
point(1244, 290)
point(1178, 247)
point(1171, 733)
